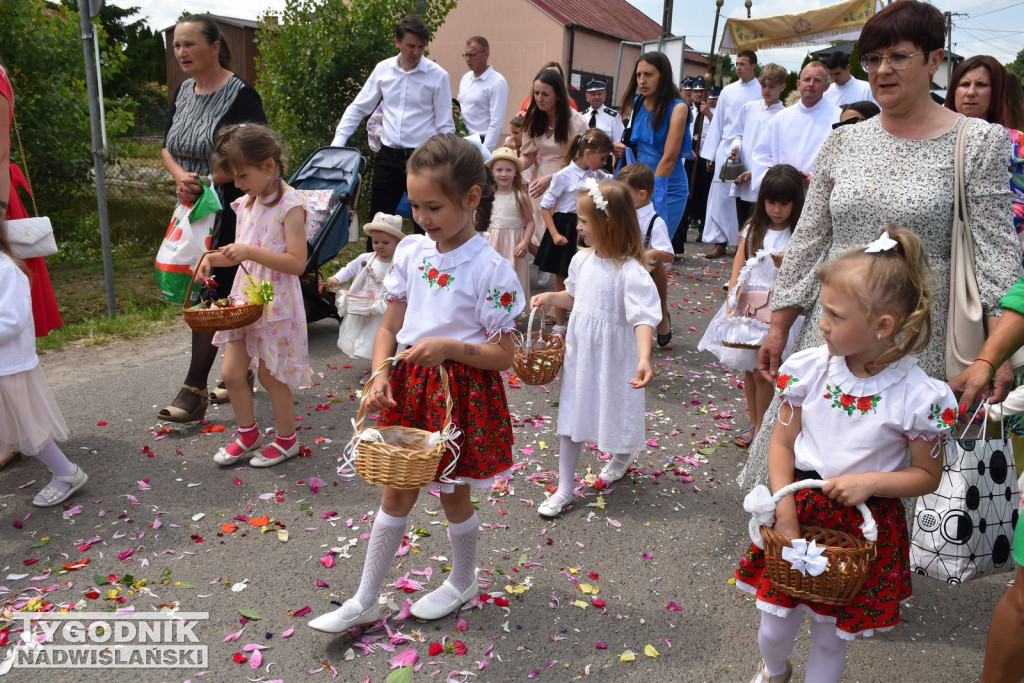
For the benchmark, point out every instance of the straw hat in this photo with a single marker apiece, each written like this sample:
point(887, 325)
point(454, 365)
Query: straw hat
point(506, 154)
point(387, 224)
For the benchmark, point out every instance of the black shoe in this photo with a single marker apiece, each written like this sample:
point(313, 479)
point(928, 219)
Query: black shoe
point(665, 339)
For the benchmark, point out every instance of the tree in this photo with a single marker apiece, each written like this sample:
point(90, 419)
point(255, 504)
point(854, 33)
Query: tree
point(48, 76)
point(1017, 65)
point(314, 62)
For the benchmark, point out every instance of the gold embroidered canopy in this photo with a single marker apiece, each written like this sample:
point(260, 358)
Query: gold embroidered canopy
point(833, 22)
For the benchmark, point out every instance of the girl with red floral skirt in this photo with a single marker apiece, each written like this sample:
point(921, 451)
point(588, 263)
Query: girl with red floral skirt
point(851, 412)
point(453, 300)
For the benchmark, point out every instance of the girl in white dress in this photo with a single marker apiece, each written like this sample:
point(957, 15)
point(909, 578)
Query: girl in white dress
point(363, 303)
point(779, 203)
point(511, 227)
point(615, 308)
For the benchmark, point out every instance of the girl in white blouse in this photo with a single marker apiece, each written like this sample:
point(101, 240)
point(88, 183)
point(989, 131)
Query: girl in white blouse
point(453, 300)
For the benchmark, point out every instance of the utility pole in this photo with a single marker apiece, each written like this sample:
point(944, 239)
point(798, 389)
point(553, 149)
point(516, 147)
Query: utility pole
point(666, 19)
point(949, 45)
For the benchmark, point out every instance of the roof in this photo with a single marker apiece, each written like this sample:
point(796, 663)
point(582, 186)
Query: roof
point(612, 17)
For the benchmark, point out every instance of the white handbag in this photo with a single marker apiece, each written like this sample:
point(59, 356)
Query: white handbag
point(31, 237)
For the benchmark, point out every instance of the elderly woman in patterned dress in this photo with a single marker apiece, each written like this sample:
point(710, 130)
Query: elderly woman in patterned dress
point(211, 97)
point(896, 168)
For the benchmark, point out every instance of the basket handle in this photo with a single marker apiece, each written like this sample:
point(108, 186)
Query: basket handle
point(192, 280)
point(868, 527)
point(528, 340)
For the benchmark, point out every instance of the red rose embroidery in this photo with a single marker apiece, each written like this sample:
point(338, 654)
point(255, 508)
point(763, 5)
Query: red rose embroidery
point(432, 274)
point(506, 300)
point(864, 404)
point(846, 400)
point(442, 280)
point(949, 416)
point(782, 381)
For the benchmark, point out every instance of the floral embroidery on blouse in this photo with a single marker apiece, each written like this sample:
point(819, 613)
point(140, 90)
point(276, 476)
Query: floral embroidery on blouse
point(784, 381)
point(502, 299)
point(944, 419)
point(434, 276)
point(849, 402)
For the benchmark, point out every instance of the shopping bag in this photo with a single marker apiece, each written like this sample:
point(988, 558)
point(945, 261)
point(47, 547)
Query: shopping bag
point(187, 239)
point(965, 528)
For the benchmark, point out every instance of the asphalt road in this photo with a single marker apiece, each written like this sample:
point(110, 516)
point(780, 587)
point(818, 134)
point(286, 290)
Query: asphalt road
point(657, 550)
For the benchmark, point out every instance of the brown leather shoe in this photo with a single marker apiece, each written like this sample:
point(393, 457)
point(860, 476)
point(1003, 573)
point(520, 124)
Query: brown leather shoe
point(717, 252)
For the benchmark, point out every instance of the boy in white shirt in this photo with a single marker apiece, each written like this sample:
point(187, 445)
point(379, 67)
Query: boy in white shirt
point(639, 178)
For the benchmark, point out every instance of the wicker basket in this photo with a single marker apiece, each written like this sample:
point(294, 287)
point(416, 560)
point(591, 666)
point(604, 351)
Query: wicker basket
point(218, 319)
point(403, 458)
point(539, 358)
point(849, 557)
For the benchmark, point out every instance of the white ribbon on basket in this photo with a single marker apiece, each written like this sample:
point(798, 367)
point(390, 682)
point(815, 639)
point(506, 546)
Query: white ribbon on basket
point(805, 557)
point(761, 506)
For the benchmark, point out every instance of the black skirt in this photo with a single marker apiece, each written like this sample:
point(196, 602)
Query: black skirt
point(553, 259)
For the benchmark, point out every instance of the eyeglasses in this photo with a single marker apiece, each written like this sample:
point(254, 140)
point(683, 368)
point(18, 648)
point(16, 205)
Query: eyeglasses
point(467, 55)
point(897, 59)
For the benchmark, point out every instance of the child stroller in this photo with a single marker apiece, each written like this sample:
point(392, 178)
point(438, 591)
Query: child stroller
point(330, 179)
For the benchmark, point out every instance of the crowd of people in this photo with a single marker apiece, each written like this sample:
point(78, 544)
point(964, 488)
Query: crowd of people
point(840, 211)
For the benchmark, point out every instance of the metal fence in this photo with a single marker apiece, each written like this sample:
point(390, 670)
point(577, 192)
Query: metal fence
point(140, 191)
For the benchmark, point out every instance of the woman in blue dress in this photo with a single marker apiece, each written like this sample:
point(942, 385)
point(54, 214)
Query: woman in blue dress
point(661, 139)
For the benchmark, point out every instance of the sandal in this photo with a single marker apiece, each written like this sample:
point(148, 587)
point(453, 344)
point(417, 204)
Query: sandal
point(744, 438)
point(222, 457)
point(220, 392)
point(260, 460)
point(51, 495)
point(175, 414)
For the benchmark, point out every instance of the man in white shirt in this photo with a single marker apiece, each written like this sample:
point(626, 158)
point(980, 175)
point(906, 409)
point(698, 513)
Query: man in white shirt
point(602, 117)
point(720, 225)
point(483, 93)
point(845, 89)
point(417, 99)
point(795, 133)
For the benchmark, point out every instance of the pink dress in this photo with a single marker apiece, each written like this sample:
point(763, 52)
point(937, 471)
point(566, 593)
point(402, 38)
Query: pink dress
point(279, 337)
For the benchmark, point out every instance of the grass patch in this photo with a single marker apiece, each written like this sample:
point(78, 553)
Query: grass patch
point(103, 330)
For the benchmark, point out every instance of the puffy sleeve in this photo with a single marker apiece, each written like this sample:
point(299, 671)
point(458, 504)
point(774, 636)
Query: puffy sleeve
point(396, 282)
point(990, 207)
point(529, 144)
point(931, 411)
point(797, 282)
point(352, 268)
point(643, 306)
point(502, 297)
point(796, 373)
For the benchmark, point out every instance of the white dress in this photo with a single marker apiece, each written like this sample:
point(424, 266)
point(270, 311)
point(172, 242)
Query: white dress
point(358, 331)
point(761, 278)
point(610, 299)
point(505, 232)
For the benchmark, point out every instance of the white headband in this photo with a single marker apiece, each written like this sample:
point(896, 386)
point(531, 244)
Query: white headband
point(594, 190)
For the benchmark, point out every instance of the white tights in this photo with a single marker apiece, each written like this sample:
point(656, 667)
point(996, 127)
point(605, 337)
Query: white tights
point(777, 636)
point(568, 461)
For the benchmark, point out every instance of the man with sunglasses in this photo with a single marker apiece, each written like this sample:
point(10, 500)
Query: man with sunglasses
point(483, 93)
point(795, 133)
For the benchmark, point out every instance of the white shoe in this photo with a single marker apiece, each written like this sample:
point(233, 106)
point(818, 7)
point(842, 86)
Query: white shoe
point(762, 675)
point(543, 278)
point(332, 622)
point(551, 507)
point(612, 472)
point(51, 495)
point(222, 457)
point(259, 461)
point(425, 609)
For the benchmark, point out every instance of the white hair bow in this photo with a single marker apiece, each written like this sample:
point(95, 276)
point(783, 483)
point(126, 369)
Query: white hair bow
point(883, 243)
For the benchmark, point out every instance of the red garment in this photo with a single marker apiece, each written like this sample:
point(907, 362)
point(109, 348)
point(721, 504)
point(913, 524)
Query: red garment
point(45, 313)
point(480, 411)
point(877, 606)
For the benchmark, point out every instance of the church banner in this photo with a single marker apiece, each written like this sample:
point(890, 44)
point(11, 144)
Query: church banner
point(841, 21)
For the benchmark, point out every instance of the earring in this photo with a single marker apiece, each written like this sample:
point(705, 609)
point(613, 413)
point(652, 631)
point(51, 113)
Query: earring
point(878, 336)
